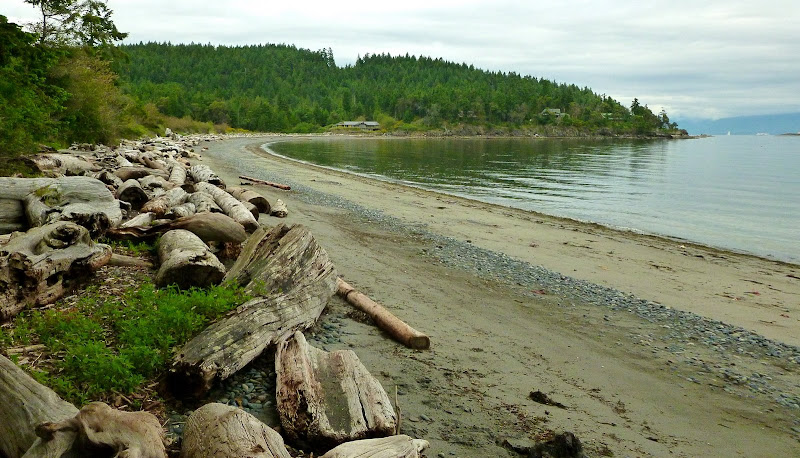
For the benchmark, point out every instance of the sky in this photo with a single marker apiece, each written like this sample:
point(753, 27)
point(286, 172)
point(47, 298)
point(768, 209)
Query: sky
point(694, 59)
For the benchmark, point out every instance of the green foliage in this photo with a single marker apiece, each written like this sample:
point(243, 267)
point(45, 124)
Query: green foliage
point(115, 344)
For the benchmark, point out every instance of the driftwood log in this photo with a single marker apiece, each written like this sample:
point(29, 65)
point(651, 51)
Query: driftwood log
point(210, 227)
point(39, 266)
point(25, 404)
point(328, 398)
point(162, 204)
point(12, 216)
point(136, 172)
point(247, 195)
point(279, 209)
point(177, 173)
point(220, 431)
point(183, 210)
point(201, 173)
point(203, 202)
point(401, 446)
point(385, 320)
point(294, 280)
point(268, 183)
point(84, 200)
point(64, 164)
point(131, 191)
point(230, 205)
point(187, 261)
point(140, 220)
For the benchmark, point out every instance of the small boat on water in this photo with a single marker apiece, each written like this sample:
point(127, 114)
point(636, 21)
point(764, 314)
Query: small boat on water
point(762, 134)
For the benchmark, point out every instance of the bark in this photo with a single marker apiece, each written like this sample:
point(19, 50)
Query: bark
point(220, 431)
point(162, 204)
point(140, 220)
point(400, 446)
point(203, 202)
point(293, 278)
point(151, 182)
point(83, 200)
point(268, 183)
point(177, 173)
point(131, 191)
point(109, 178)
point(12, 216)
point(181, 211)
point(210, 227)
point(279, 209)
point(385, 320)
point(38, 267)
point(246, 195)
point(252, 209)
point(328, 398)
point(230, 205)
point(201, 173)
point(187, 261)
point(26, 403)
point(64, 164)
point(136, 172)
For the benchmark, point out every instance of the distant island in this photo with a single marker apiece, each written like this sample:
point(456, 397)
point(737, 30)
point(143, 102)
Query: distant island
point(773, 124)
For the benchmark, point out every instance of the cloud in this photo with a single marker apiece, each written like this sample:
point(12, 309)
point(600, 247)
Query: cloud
point(714, 58)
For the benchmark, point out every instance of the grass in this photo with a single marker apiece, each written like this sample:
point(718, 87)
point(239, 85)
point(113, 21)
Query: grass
point(102, 346)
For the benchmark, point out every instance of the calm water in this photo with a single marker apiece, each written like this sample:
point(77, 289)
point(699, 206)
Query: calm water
point(736, 192)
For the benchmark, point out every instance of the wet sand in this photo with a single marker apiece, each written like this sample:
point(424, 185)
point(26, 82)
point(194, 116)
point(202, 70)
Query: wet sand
point(627, 387)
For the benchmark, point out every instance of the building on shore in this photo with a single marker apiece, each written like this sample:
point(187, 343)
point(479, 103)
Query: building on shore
point(363, 125)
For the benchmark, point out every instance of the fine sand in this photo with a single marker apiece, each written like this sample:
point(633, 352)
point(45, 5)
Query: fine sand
point(625, 389)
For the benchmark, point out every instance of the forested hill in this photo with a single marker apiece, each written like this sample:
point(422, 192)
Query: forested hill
point(284, 88)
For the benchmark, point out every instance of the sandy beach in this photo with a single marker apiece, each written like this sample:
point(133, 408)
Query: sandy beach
point(654, 346)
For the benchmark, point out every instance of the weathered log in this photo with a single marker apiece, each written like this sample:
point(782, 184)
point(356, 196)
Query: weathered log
point(203, 202)
point(84, 200)
point(187, 261)
point(279, 209)
point(121, 260)
point(136, 172)
point(109, 178)
point(98, 426)
point(64, 164)
point(246, 195)
point(294, 279)
point(26, 403)
point(252, 209)
point(385, 320)
point(230, 205)
point(12, 216)
point(150, 161)
point(210, 227)
point(201, 173)
point(131, 191)
point(268, 183)
point(401, 446)
point(181, 211)
point(38, 267)
point(160, 205)
point(152, 182)
point(177, 173)
point(328, 398)
point(140, 220)
point(220, 431)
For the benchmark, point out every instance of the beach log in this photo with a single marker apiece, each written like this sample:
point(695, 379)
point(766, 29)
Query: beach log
point(109, 178)
point(140, 220)
point(153, 182)
point(162, 204)
point(268, 183)
point(39, 266)
point(27, 403)
point(203, 202)
point(385, 320)
point(230, 206)
point(279, 209)
point(324, 399)
point(121, 260)
point(221, 431)
point(181, 211)
point(187, 261)
point(177, 173)
point(131, 191)
point(136, 172)
point(400, 446)
point(12, 216)
point(247, 195)
point(252, 209)
point(201, 173)
point(293, 279)
point(210, 227)
point(64, 164)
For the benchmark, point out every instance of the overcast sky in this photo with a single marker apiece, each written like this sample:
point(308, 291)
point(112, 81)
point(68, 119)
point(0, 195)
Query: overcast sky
point(694, 58)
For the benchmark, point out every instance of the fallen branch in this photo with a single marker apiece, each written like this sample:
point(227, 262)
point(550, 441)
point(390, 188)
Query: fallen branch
point(385, 320)
point(285, 187)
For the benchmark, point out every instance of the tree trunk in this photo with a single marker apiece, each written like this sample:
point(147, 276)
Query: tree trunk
point(136, 172)
point(181, 211)
point(246, 195)
point(203, 202)
point(325, 399)
point(219, 431)
point(279, 209)
point(400, 446)
point(385, 320)
point(161, 205)
point(26, 403)
point(177, 173)
point(38, 267)
point(201, 173)
point(64, 164)
point(187, 261)
point(268, 183)
point(12, 216)
point(230, 205)
point(131, 191)
point(210, 227)
point(140, 220)
point(294, 279)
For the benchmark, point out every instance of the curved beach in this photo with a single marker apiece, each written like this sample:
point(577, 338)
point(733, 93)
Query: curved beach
point(654, 346)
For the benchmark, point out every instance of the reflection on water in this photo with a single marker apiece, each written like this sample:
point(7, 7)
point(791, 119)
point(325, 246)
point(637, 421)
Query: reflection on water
point(735, 192)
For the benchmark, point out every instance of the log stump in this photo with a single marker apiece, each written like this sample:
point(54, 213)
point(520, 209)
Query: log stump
point(401, 446)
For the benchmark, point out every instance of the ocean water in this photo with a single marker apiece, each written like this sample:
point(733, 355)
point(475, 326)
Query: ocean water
point(735, 192)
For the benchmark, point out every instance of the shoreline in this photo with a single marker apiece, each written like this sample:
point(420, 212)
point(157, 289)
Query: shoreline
point(638, 378)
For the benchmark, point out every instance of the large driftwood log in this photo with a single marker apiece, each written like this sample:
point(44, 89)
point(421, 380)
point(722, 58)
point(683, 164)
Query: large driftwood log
point(161, 205)
point(220, 431)
point(187, 261)
point(201, 173)
point(401, 446)
point(136, 172)
point(210, 227)
point(279, 209)
point(98, 426)
point(12, 216)
point(84, 200)
point(247, 195)
point(177, 173)
point(268, 183)
point(203, 202)
point(294, 279)
point(183, 210)
point(131, 191)
point(26, 403)
point(64, 164)
point(38, 267)
point(328, 398)
point(230, 205)
point(385, 320)
point(140, 220)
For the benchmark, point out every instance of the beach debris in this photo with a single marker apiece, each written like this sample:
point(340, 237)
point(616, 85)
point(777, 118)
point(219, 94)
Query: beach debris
point(279, 209)
point(210, 227)
point(383, 318)
point(187, 261)
point(247, 195)
point(292, 278)
point(218, 430)
point(201, 173)
point(268, 183)
point(230, 206)
point(542, 398)
point(561, 445)
point(400, 446)
point(325, 399)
